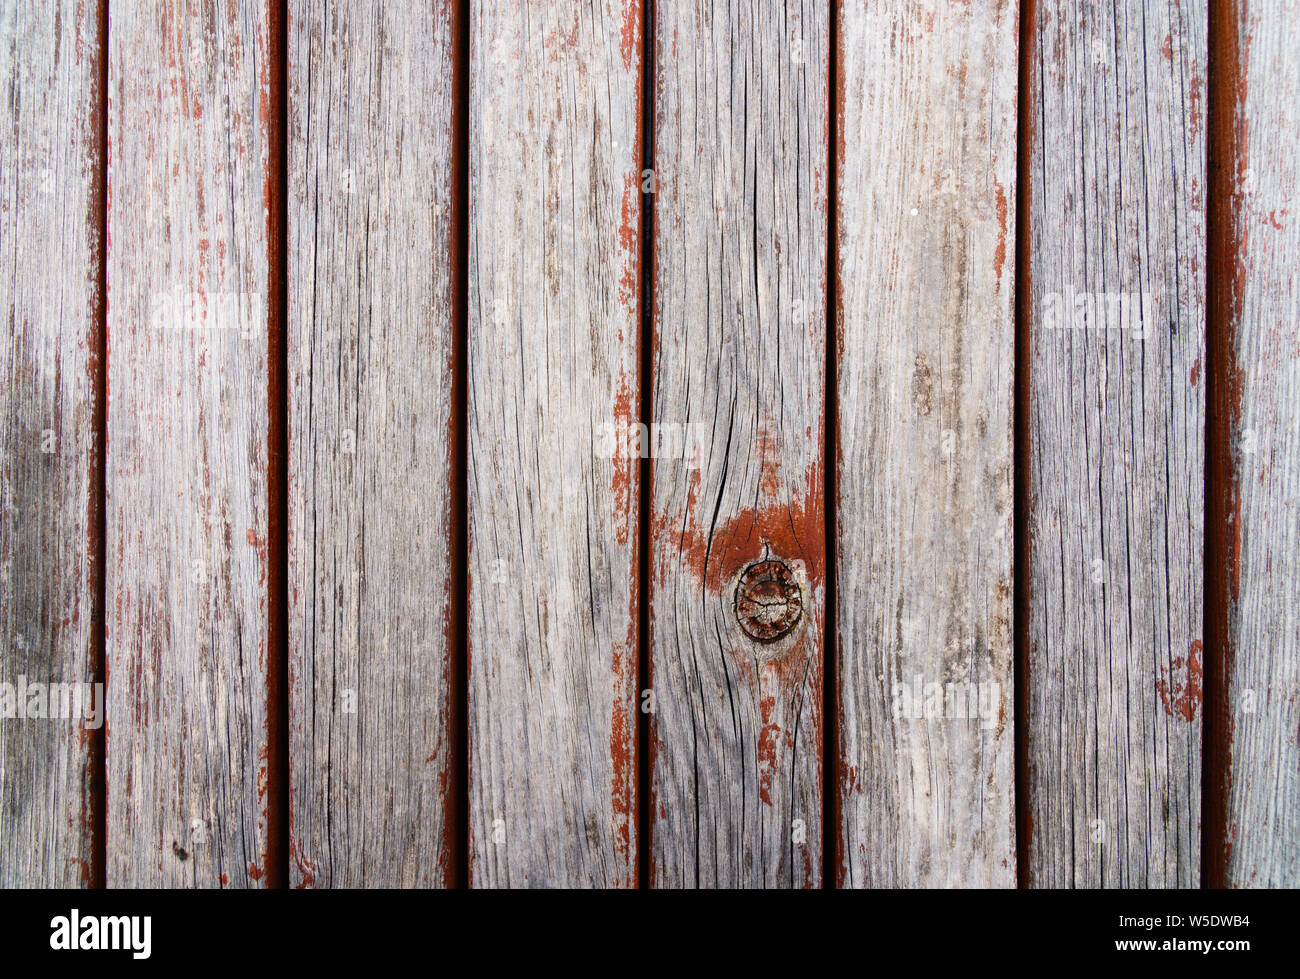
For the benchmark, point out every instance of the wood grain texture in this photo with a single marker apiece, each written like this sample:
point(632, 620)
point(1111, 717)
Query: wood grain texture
point(552, 357)
point(370, 355)
point(740, 221)
point(926, 223)
point(50, 297)
point(187, 646)
point(1261, 405)
point(1116, 416)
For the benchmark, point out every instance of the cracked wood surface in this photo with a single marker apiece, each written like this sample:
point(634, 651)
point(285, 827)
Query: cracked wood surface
point(189, 107)
point(1260, 392)
point(1116, 418)
point(370, 474)
point(554, 283)
point(50, 297)
point(926, 192)
point(1115, 376)
point(741, 115)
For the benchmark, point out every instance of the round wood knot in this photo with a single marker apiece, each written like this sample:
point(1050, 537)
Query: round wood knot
point(768, 602)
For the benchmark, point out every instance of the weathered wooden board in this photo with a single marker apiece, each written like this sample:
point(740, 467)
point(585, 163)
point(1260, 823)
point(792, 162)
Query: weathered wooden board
point(206, 381)
point(742, 112)
point(1116, 408)
point(370, 374)
point(554, 282)
point(926, 229)
point(190, 210)
point(51, 193)
point(1257, 403)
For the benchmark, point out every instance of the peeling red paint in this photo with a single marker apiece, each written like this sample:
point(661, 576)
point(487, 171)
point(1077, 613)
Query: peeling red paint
point(629, 240)
point(767, 742)
point(622, 751)
point(1271, 219)
point(630, 42)
point(621, 483)
point(84, 867)
point(793, 531)
point(1180, 685)
point(259, 545)
point(768, 444)
point(1196, 117)
point(1000, 252)
point(306, 869)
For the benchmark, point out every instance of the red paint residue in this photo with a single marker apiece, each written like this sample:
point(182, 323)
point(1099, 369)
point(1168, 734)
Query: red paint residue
point(306, 869)
point(1180, 687)
point(259, 545)
point(631, 38)
point(628, 237)
point(621, 750)
point(768, 738)
point(1272, 220)
point(1196, 117)
point(769, 454)
point(714, 555)
point(1000, 252)
point(263, 773)
point(254, 871)
point(621, 484)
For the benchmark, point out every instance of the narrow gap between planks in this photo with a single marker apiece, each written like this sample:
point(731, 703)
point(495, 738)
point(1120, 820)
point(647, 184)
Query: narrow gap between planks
point(277, 686)
point(1223, 81)
point(645, 343)
point(457, 823)
point(98, 484)
point(830, 468)
point(1020, 450)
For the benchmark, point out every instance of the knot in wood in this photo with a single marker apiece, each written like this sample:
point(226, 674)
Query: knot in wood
point(768, 602)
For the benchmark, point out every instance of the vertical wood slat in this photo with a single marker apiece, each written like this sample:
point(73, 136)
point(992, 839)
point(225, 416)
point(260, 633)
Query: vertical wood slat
point(926, 225)
point(370, 366)
point(1116, 443)
point(1256, 405)
point(50, 297)
point(552, 353)
point(739, 299)
point(190, 208)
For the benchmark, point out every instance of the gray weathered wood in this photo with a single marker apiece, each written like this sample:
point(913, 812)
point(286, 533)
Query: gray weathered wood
point(926, 225)
point(50, 187)
point(1116, 414)
point(1263, 690)
point(187, 637)
point(370, 355)
point(553, 300)
point(742, 111)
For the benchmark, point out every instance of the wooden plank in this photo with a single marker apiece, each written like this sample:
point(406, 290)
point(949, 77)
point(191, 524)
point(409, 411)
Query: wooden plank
point(552, 357)
point(926, 230)
point(737, 506)
point(191, 205)
point(1116, 412)
point(51, 153)
point(1256, 403)
point(370, 366)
